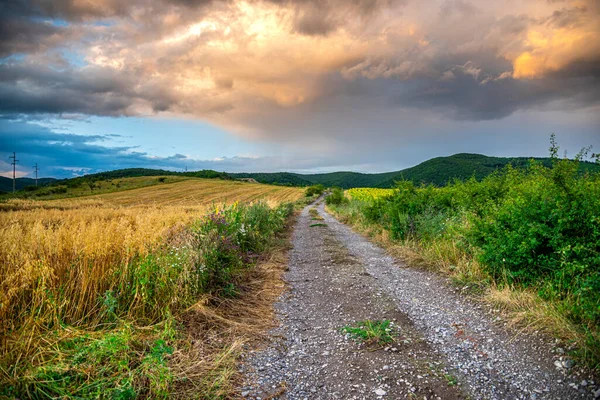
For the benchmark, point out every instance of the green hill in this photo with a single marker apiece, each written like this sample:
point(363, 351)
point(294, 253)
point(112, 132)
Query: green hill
point(438, 171)
point(6, 184)
point(442, 170)
point(275, 178)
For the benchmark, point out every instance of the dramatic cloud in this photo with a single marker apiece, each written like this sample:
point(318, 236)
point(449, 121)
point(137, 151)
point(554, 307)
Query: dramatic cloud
point(286, 71)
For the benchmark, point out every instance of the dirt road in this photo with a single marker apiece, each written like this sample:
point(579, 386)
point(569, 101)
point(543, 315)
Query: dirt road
point(445, 347)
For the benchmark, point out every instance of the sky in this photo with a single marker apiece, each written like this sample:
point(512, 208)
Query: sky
point(292, 85)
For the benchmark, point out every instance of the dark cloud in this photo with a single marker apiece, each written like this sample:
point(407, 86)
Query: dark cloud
point(313, 21)
point(567, 17)
point(22, 35)
point(470, 96)
point(32, 89)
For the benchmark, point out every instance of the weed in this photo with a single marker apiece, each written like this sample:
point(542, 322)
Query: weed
point(372, 332)
point(315, 215)
point(451, 379)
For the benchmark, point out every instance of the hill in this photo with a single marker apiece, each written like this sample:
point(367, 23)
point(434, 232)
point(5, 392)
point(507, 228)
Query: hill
point(438, 171)
point(274, 178)
point(6, 184)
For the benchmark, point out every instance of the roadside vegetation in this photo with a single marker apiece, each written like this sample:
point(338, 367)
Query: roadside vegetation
point(314, 190)
point(526, 240)
point(101, 300)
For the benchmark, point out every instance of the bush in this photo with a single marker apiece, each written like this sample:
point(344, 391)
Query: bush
point(47, 191)
point(336, 198)
point(547, 231)
point(315, 190)
point(231, 237)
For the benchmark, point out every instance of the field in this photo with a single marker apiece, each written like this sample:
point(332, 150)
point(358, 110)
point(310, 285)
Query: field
point(201, 191)
point(366, 194)
point(94, 290)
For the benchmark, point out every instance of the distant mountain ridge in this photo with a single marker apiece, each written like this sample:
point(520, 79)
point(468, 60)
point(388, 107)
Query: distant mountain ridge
point(438, 171)
point(6, 184)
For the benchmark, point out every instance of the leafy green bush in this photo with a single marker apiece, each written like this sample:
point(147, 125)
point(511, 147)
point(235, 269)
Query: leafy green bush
point(547, 230)
point(231, 237)
point(336, 197)
point(51, 190)
point(314, 190)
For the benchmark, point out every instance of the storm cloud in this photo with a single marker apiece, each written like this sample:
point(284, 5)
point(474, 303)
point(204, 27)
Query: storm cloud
point(288, 70)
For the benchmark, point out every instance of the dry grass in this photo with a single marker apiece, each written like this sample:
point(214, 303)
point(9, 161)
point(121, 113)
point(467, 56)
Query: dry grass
point(220, 330)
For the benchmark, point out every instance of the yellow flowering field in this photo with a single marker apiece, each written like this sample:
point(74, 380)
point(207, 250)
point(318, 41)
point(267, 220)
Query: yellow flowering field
point(365, 194)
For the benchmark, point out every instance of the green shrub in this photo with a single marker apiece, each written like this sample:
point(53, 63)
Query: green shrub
point(50, 190)
point(336, 197)
point(315, 190)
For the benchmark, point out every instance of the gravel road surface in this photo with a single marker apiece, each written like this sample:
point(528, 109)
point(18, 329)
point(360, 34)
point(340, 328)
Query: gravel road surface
point(446, 346)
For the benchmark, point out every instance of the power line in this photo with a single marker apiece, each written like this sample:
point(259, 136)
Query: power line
point(36, 173)
point(14, 164)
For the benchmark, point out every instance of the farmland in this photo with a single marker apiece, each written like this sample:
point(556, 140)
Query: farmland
point(94, 290)
point(365, 194)
point(201, 191)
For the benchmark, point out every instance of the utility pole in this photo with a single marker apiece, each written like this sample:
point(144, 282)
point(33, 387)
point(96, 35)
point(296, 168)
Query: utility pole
point(14, 164)
point(36, 171)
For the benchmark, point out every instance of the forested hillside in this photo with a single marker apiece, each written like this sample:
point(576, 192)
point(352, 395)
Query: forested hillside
point(438, 171)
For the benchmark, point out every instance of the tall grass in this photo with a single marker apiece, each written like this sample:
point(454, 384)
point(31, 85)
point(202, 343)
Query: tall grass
point(91, 295)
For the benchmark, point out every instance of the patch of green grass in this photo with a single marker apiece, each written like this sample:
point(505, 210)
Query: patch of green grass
point(452, 381)
point(372, 332)
point(313, 225)
point(121, 364)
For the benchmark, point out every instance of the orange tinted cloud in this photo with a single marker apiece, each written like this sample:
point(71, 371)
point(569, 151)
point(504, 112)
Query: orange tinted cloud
point(240, 63)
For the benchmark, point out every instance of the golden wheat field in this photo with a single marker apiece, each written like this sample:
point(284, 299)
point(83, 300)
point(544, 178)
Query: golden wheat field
point(201, 191)
point(74, 245)
point(62, 262)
